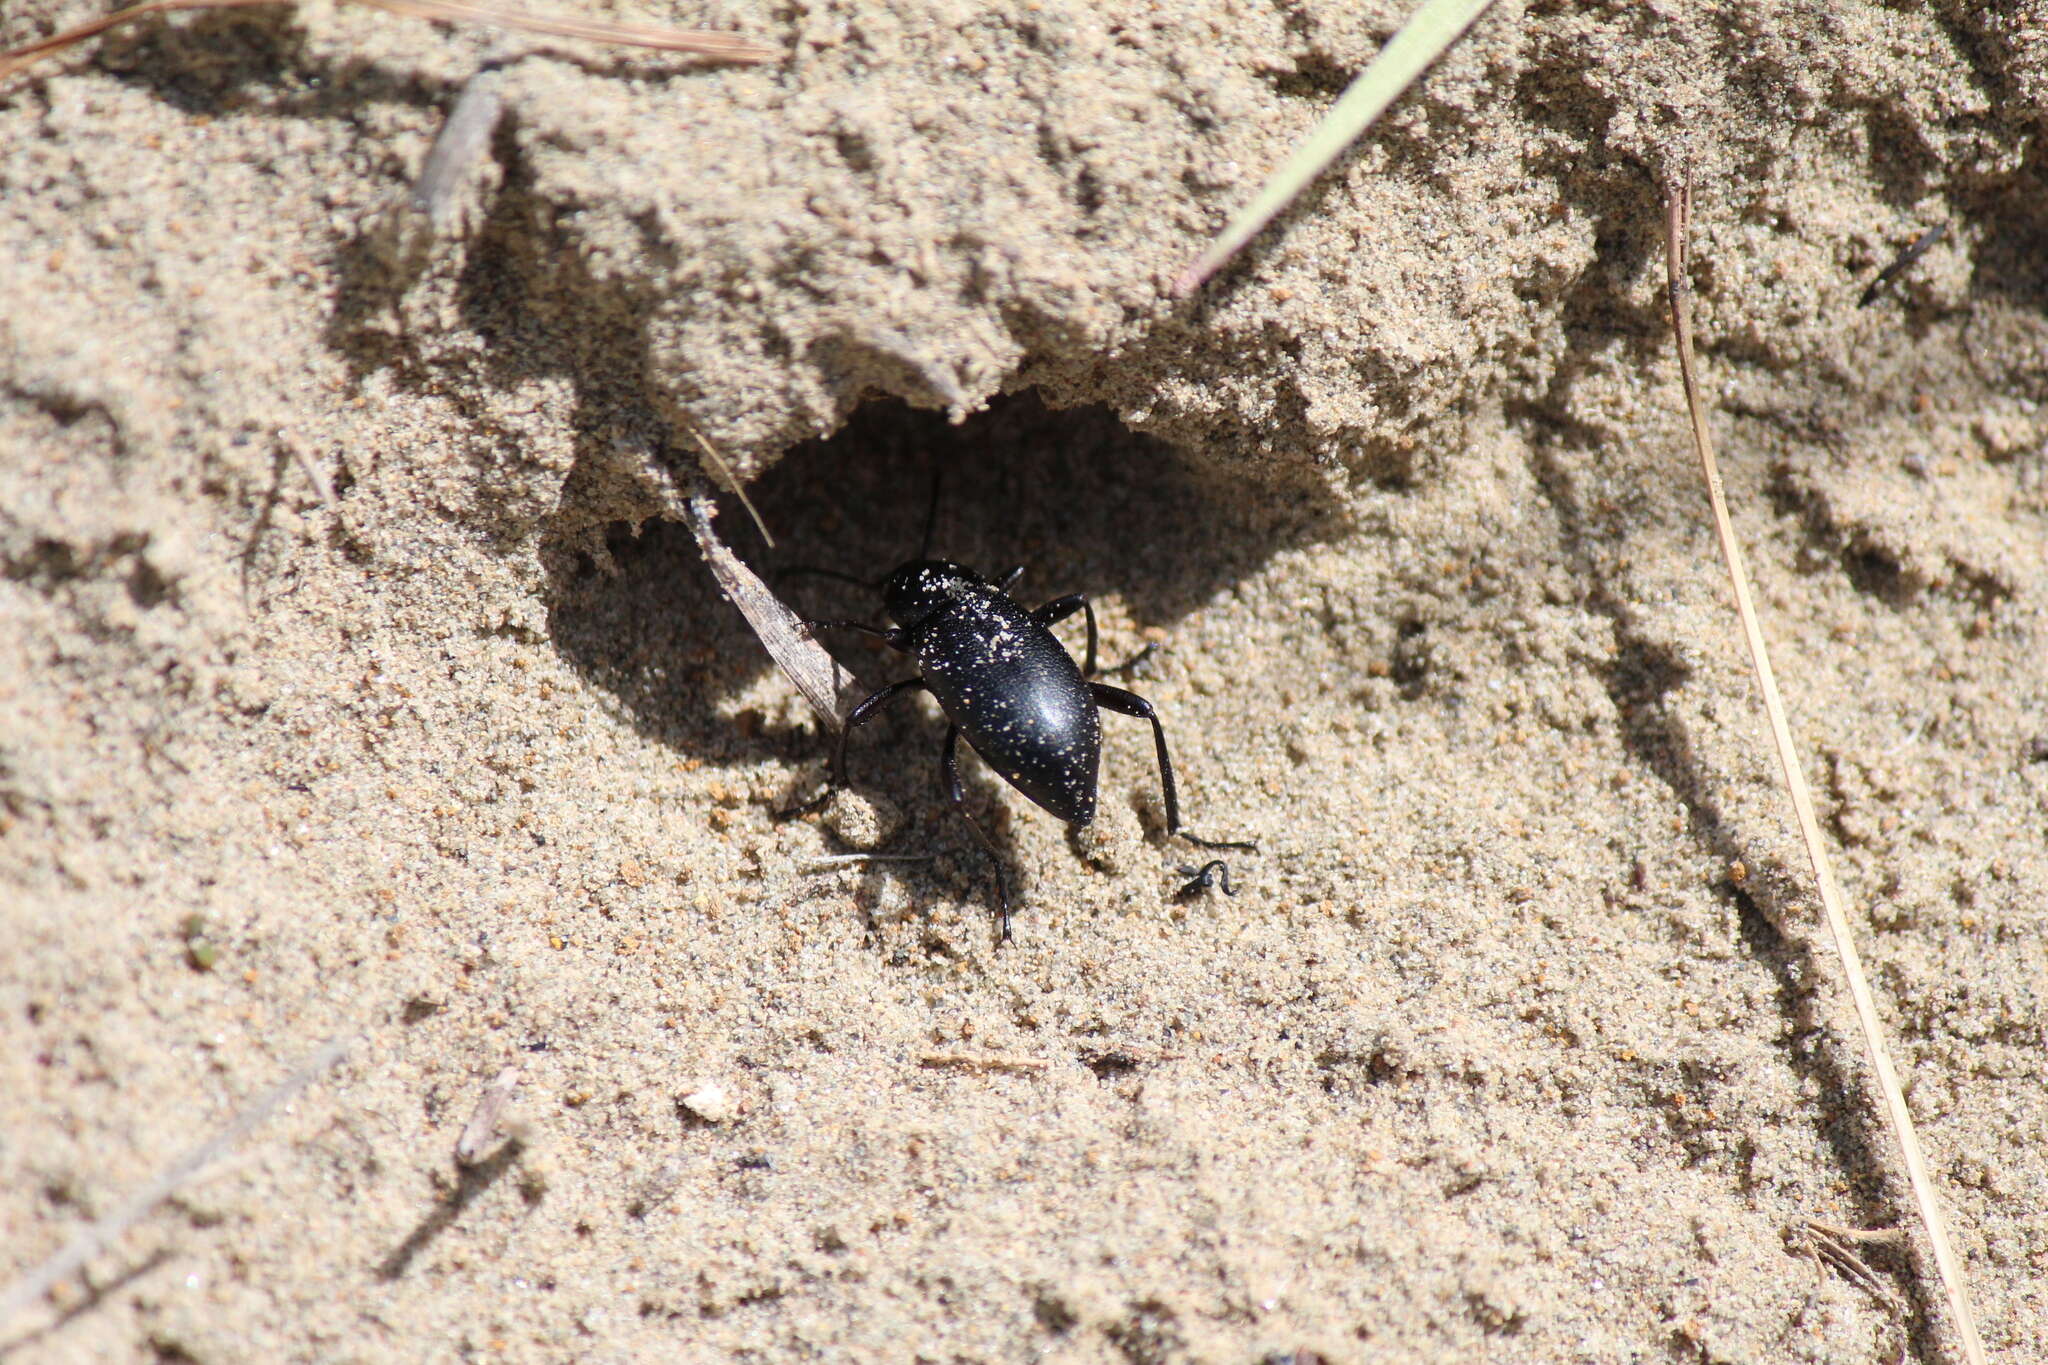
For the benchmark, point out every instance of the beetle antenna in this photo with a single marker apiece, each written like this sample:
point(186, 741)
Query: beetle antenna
point(815, 571)
point(931, 513)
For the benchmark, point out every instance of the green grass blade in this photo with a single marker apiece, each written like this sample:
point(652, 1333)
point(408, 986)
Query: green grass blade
point(1431, 29)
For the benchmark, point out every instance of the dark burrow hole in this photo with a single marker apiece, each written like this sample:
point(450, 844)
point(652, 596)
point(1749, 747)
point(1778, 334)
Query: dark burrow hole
point(1110, 1066)
point(1074, 496)
point(1410, 665)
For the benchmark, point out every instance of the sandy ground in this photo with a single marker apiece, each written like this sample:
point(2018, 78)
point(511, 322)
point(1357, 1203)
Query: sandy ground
point(358, 678)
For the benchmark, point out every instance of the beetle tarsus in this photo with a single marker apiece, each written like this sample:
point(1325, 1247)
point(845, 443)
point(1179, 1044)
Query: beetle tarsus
point(810, 807)
point(1124, 669)
point(860, 715)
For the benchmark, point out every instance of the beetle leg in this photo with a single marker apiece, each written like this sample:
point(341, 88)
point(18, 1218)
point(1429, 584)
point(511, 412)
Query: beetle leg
point(1059, 609)
point(949, 777)
point(1009, 580)
point(860, 716)
point(1062, 608)
point(1131, 704)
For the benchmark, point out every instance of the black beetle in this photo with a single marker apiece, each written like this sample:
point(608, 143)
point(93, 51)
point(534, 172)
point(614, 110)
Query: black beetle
point(1007, 684)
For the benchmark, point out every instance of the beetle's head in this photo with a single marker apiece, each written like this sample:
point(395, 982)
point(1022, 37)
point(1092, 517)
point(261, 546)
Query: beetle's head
point(923, 586)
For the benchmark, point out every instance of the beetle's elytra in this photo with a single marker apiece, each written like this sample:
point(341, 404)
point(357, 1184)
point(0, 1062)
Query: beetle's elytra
point(1010, 688)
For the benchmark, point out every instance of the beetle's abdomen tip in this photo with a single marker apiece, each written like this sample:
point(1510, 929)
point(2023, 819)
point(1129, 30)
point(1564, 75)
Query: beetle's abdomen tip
point(1075, 812)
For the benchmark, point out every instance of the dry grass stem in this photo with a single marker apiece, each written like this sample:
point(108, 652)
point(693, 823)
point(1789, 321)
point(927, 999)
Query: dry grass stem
point(1432, 28)
point(16, 59)
point(1678, 213)
point(697, 42)
point(727, 47)
point(1126, 1055)
point(732, 481)
point(90, 1240)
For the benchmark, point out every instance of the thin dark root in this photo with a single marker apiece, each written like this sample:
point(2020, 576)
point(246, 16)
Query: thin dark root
point(1212, 873)
point(1239, 846)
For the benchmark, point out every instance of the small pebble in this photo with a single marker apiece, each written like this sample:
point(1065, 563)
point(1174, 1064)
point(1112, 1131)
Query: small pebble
point(711, 1102)
point(861, 821)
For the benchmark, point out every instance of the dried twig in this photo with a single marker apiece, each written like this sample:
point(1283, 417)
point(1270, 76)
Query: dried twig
point(1678, 213)
point(1920, 247)
point(457, 148)
point(982, 1061)
point(89, 1241)
point(1126, 1055)
point(304, 458)
point(728, 47)
point(1831, 1244)
point(487, 1118)
point(830, 689)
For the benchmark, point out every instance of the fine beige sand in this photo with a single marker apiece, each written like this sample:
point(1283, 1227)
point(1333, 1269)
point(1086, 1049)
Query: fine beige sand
point(358, 677)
